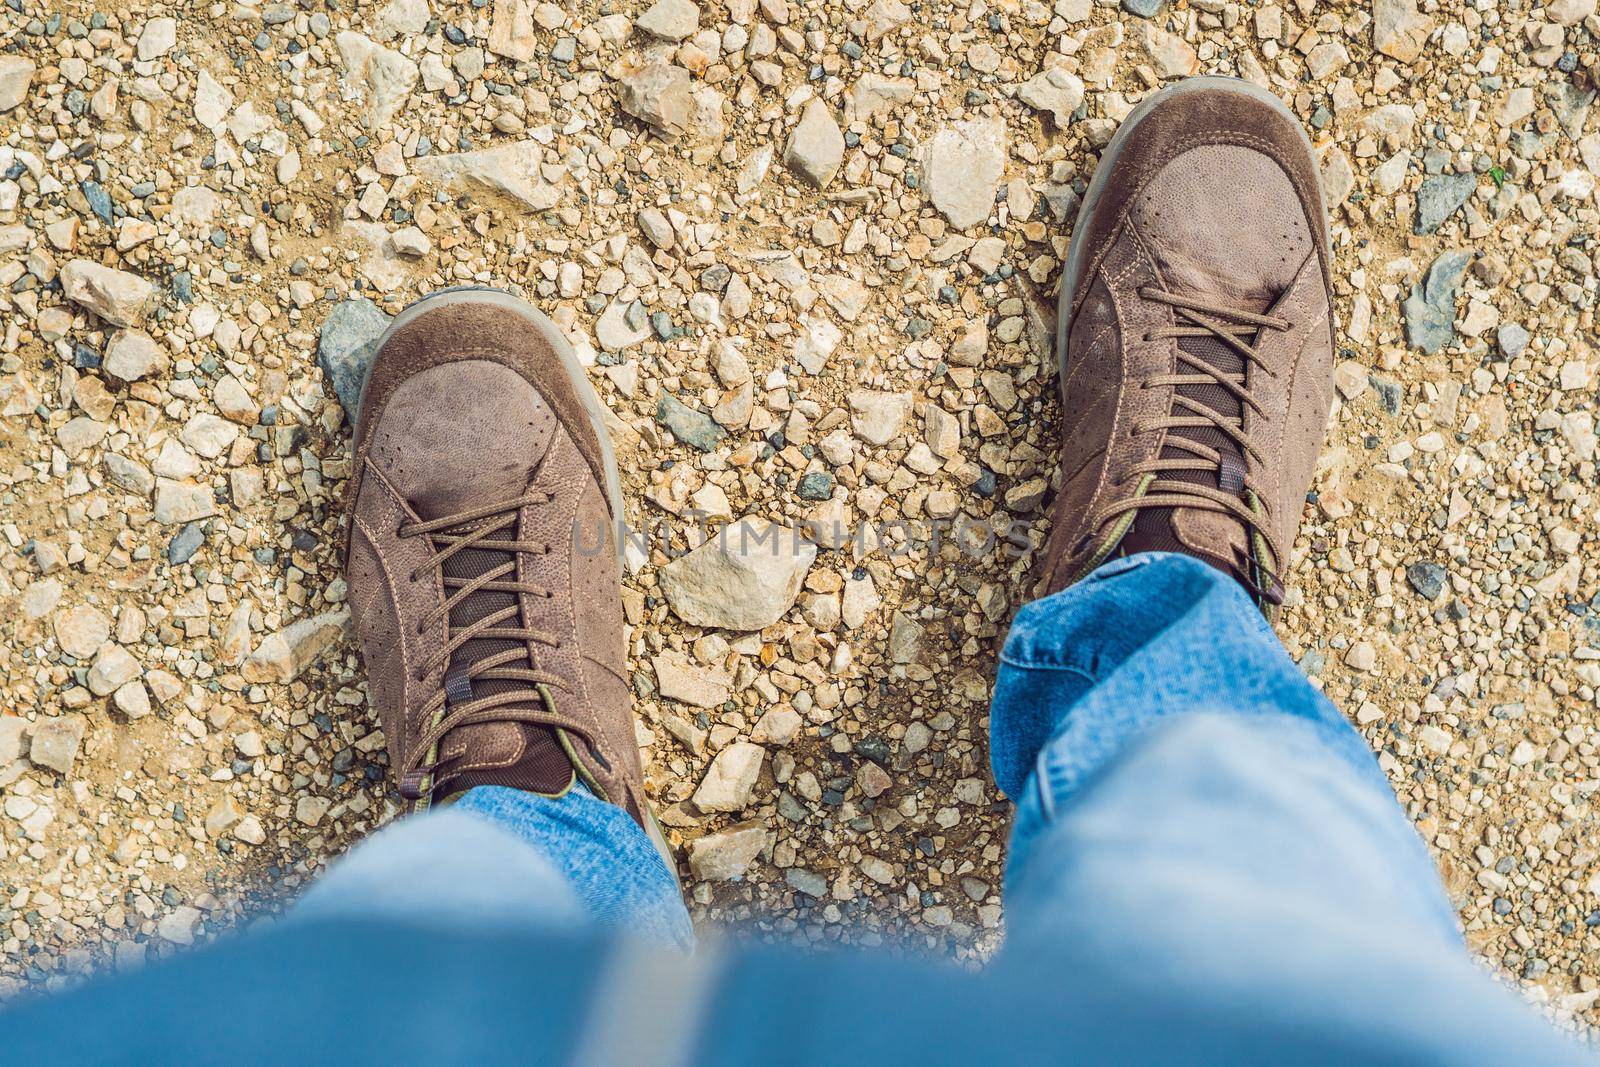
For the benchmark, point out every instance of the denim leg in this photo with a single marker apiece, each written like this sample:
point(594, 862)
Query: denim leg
point(1179, 782)
point(501, 858)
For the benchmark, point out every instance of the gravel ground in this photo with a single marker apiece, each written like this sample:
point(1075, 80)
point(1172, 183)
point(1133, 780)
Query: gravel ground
point(809, 253)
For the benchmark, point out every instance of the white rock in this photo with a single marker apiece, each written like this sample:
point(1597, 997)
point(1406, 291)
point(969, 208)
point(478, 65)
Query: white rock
point(680, 678)
point(876, 417)
point(16, 75)
point(732, 778)
point(1569, 12)
point(194, 204)
point(818, 338)
point(510, 171)
point(401, 18)
point(55, 742)
point(511, 32)
point(658, 94)
point(157, 38)
point(209, 435)
point(183, 501)
point(282, 656)
point(1390, 175)
point(670, 20)
point(963, 168)
point(860, 600)
point(410, 241)
point(112, 668)
point(118, 297)
point(723, 856)
point(744, 578)
point(1169, 54)
point(81, 630)
point(212, 102)
point(613, 332)
point(1056, 91)
point(816, 146)
point(1398, 30)
point(132, 699)
point(178, 925)
point(384, 76)
point(873, 95)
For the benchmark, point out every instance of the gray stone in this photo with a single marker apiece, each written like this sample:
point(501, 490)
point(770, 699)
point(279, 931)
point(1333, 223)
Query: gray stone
point(744, 578)
point(345, 350)
point(1571, 104)
point(1512, 339)
point(1427, 579)
point(691, 427)
point(1430, 310)
point(808, 882)
point(1145, 9)
point(1440, 197)
point(185, 543)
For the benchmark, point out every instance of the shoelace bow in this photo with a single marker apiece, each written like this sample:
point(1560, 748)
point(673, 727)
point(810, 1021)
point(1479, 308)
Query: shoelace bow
point(1232, 326)
point(453, 706)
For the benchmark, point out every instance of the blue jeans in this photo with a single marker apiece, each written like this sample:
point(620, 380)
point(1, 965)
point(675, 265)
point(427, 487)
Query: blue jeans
point(1207, 866)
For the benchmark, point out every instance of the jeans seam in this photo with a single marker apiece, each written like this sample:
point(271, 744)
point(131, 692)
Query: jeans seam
point(1038, 665)
point(1042, 781)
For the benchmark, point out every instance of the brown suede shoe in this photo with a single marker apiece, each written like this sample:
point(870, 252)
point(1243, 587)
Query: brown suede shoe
point(1195, 340)
point(482, 558)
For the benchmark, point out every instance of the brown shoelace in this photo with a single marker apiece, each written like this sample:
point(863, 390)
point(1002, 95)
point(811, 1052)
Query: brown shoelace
point(1233, 327)
point(454, 705)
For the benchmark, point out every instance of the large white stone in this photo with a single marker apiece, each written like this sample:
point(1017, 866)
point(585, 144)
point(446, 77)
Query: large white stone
point(727, 855)
point(16, 75)
point(384, 76)
point(680, 678)
point(816, 146)
point(963, 167)
point(512, 171)
point(118, 297)
point(282, 656)
point(744, 578)
point(157, 38)
point(731, 779)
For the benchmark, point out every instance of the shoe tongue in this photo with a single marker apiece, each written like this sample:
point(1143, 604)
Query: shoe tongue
point(1219, 539)
point(523, 755)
